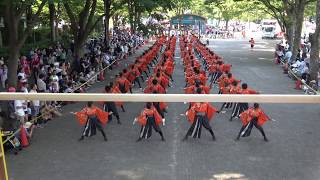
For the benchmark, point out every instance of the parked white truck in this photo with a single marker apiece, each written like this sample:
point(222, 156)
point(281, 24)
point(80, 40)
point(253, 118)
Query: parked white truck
point(270, 29)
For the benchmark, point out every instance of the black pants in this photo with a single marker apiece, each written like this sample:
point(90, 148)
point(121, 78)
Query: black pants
point(248, 128)
point(238, 108)
point(111, 107)
point(136, 80)
point(90, 128)
point(214, 77)
point(226, 105)
point(123, 89)
point(195, 129)
point(146, 131)
point(157, 106)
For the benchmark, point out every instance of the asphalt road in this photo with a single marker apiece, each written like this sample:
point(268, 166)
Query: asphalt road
point(293, 150)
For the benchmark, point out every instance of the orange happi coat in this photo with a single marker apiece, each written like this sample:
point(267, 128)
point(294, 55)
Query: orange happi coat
point(133, 74)
point(201, 107)
point(116, 90)
point(235, 89)
point(248, 91)
point(82, 116)
point(249, 114)
point(124, 81)
point(157, 88)
point(142, 118)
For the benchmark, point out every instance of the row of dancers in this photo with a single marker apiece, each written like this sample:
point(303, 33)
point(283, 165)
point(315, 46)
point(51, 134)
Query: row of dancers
point(200, 64)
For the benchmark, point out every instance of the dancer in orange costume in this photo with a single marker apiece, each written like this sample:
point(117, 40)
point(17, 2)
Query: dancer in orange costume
point(148, 119)
point(200, 115)
point(92, 118)
point(252, 117)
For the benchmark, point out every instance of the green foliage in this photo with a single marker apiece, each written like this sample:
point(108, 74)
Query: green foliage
point(180, 6)
point(310, 10)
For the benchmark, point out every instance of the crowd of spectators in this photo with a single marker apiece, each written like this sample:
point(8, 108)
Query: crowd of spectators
point(55, 69)
point(298, 66)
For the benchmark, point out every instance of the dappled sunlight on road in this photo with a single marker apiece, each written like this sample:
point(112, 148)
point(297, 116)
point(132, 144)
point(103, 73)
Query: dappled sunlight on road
point(228, 176)
point(130, 174)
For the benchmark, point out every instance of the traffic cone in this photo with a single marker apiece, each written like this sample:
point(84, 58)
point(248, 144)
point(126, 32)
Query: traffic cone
point(285, 68)
point(23, 137)
point(101, 76)
point(276, 60)
point(298, 84)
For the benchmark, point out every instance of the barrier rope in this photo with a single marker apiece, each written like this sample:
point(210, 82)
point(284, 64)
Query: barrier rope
point(298, 78)
point(47, 113)
point(303, 82)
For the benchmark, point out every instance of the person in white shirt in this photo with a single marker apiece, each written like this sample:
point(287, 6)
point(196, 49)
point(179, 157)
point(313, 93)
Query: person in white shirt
point(22, 73)
point(19, 106)
point(126, 49)
point(35, 104)
point(301, 67)
point(55, 79)
point(42, 86)
point(288, 56)
point(4, 75)
point(51, 59)
point(106, 59)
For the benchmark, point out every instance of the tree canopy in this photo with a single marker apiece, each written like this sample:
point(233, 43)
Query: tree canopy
point(81, 18)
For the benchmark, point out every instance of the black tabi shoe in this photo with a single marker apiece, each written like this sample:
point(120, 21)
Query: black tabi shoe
point(213, 138)
point(265, 139)
point(163, 139)
point(138, 139)
point(185, 138)
point(105, 139)
point(82, 138)
point(119, 122)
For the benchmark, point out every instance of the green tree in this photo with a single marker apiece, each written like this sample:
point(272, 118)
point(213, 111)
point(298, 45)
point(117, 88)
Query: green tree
point(136, 8)
point(83, 19)
point(180, 6)
point(52, 17)
point(290, 15)
point(228, 9)
point(14, 13)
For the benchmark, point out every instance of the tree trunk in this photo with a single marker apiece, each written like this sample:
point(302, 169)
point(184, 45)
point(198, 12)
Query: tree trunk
point(298, 28)
point(13, 58)
point(137, 20)
point(78, 53)
point(107, 4)
point(289, 35)
point(78, 48)
point(227, 24)
point(52, 14)
point(13, 66)
point(58, 12)
point(314, 54)
point(1, 40)
point(107, 25)
point(131, 14)
point(12, 25)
